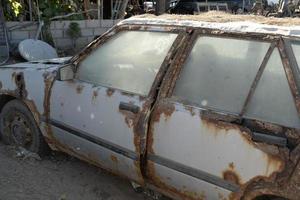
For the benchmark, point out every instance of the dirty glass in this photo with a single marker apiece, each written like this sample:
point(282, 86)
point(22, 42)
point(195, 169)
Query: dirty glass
point(129, 61)
point(219, 72)
point(296, 49)
point(272, 100)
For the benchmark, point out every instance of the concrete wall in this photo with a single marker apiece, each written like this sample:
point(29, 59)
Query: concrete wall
point(89, 29)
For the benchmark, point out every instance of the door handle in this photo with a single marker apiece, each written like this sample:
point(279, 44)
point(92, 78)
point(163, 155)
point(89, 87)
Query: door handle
point(129, 107)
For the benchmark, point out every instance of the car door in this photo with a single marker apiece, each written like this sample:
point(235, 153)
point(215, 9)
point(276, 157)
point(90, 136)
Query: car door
point(199, 146)
point(99, 116)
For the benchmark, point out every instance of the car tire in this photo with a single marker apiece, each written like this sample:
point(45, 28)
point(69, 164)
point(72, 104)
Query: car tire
point(18, 128)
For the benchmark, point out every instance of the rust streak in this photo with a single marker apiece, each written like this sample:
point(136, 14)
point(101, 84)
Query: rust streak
point(231, 176)
point(110, 92)
point(190, 109)
point(163, 186)
point(95, 95)
point(79, 89)
point(20, 84)
point(114, 159)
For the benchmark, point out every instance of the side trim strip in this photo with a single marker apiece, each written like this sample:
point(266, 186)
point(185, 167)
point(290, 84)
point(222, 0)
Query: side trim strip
point(106, 144)
point(194, 173)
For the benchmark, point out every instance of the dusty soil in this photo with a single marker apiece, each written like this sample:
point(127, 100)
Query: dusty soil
point(58, 177)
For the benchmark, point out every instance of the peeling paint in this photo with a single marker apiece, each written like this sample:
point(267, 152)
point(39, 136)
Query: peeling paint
point(95, 95)
point(79, 89)
point(110, 92)
point(231, 176)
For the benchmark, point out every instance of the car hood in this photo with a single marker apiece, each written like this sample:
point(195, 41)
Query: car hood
point(39, 64)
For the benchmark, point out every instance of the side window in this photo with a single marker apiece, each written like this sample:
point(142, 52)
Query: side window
point(219, 72)
point(296, 49)
point(129, 61)
point(272, 100)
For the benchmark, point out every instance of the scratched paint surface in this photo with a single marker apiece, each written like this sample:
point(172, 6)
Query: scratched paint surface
point(218, 149)
point(95, 110)
point(183, 186)
point(31, 92)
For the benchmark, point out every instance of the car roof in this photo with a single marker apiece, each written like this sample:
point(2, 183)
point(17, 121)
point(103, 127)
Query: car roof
point(224, 22)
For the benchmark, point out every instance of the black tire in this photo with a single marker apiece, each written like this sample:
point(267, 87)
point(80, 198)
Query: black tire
point(18, 127)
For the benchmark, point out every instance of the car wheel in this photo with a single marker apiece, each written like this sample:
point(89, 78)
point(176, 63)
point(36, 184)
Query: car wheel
point(19, 128)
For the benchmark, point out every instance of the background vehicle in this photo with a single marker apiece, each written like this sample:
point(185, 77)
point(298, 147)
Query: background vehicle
point(188, 109)
point(190, 6)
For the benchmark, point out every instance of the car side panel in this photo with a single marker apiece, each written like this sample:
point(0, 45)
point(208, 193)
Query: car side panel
point(218, 153)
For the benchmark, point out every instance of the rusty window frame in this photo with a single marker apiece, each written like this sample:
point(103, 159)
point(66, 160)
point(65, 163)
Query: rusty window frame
point(258, 76)
point(146, 28)
point(289, 69)
point(222, 115)
point(295, 66)
point(276, 41)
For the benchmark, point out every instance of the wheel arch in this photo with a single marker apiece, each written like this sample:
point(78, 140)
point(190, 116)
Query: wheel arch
point(31, 109)
point(5, 98)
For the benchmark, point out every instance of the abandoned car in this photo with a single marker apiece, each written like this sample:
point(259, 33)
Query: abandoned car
point(191, 109)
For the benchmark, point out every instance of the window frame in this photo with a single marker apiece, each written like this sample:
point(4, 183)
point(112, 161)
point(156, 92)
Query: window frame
point(276, 41)
point(253, 84)
point(295, 66)
point(100, 41)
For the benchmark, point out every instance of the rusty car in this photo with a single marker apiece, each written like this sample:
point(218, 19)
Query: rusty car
point(191, 109)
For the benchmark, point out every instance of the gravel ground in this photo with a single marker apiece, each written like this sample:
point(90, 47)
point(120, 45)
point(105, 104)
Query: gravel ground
point(58, 177)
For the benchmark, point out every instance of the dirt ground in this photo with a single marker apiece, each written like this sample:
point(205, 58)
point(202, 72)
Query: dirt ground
point(58, 177)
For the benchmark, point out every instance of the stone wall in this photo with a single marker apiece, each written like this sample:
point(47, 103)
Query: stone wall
point(89, 29)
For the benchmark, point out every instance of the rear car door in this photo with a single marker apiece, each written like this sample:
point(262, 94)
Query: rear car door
point(200, 144)
point(100, 115)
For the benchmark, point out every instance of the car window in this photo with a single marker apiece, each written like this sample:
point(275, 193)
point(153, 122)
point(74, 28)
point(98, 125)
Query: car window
point(219, 72)
point(272, 100)
point(129, 61)
point(296, 49)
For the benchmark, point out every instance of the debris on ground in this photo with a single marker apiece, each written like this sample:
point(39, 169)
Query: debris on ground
point(25, 154)
point(58, 176)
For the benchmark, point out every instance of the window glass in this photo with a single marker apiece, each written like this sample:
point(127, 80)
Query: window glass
point(296, 49)
point(272, 100)
point(219, 72)
point(129, 61)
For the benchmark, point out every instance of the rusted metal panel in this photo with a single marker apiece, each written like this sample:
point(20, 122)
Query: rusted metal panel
point(98, 155)
point(181, 186)
point(21, 83)
point(289, 74)
point(221, 149)
point(272, 163)
point(94, 110)
point(100, 116)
